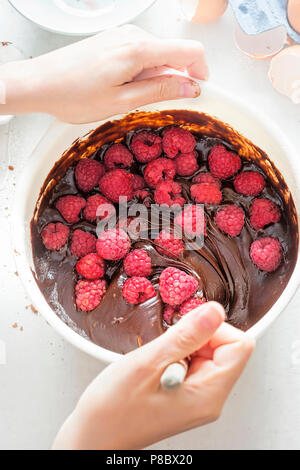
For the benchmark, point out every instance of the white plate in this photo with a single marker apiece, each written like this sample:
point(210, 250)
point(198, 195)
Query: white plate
point(80, 17)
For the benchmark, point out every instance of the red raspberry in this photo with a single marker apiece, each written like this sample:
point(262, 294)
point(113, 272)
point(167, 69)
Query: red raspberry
point(137, 290)
point(142, 194)
point(171, 246)
point(70, 207)
point(55, 235)
point(82, 243)
point(168, 314)
point(93, 208)
point(222, 163)
point(249, 183)
point(113, 244)
point(266, 253)
point(206, 177)
point(138, 263)
point(91, 266)
point(117, 156)
point(175, 286)
point(169, 193)
point(190, 304)
point(230, 220)
point(88, 173)
point(263, 212)
point(115, 184)
point(206, 193)
point(146, 146)
point(159, 170)
point(177, 140)
point(191, 220)
point(89, 294)
point(186, 164)
point(137, 182)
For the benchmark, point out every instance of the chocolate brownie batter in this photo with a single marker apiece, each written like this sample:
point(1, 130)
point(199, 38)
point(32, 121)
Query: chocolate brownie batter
point(222, 266)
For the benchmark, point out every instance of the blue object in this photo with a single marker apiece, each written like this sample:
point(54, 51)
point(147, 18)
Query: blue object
point(257, 16)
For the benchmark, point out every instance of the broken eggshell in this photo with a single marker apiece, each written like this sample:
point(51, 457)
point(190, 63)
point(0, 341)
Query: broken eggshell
point(8, 53)
point(203, 11)
point(263, 45)
point(284, 73)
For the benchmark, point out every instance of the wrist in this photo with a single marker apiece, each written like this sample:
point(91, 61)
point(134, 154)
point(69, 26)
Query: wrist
point(19, 88)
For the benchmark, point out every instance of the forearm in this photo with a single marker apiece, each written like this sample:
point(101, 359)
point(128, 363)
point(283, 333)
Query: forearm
point(20, 88)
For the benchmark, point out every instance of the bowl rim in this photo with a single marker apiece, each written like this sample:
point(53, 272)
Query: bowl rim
point(27, 275)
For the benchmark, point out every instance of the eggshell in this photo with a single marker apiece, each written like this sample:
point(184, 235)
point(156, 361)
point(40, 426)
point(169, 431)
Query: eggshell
point(203, 11)
point(293, 13)
point(263, 45)
point(284, 73)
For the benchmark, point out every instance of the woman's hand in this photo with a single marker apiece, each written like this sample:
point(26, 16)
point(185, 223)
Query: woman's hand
point(126, 408)
point(93, 79)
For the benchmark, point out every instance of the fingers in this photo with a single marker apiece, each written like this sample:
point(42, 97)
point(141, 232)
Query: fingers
point(188, 335)
point(232, 349)
point(167, 87)
point(176, 53)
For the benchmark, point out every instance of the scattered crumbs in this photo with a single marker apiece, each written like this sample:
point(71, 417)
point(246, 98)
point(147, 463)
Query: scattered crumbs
point(11, 168)
point(16, 273)
point(21, 328)
point(35, 311)
point(4, 43)
point(15, 325)
point(16, 252)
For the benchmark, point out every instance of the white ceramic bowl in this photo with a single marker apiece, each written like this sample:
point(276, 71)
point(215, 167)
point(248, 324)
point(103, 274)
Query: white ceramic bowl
point(59, 137)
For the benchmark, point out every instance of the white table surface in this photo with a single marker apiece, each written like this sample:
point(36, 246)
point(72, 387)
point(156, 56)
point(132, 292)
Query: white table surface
point(44, 375)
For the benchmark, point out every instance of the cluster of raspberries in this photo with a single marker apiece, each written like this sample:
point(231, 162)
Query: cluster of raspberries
point(162, 159)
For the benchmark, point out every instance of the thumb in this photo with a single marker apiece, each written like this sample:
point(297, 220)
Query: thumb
point(192, 332)
point(165, 87)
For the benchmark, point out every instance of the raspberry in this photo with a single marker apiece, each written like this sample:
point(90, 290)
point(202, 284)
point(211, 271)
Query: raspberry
point(190, 304)
point(206, 193)
point(113, 244)
point(137, 290)
point(222, 163)
point(191, 220)
point(169, 193)
point(206, 177)
point(138, 263)
point(249, 183)
point(137, 182)
point(115, 184)
point(168, 314)
point(91, 266)
point(70, 207)
point(263, 212)
point(93, 208)
point(186, 164)
point(82, 243)
point(89, 294)
point(266, 253)
point(230, 220)
point(88, 173)
point(55, 235)
point(175, 286)
point(177, 140)
point(142, 194)
point(159, 170)
point(117, 156)
point(146, 146)
point(171, 246)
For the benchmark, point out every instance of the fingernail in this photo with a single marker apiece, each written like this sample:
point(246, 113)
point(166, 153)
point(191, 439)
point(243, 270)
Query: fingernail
point(189, 90)
point(211, 315)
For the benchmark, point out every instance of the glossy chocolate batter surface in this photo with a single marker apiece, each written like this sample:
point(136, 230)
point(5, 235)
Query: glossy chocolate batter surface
point(222, 266)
